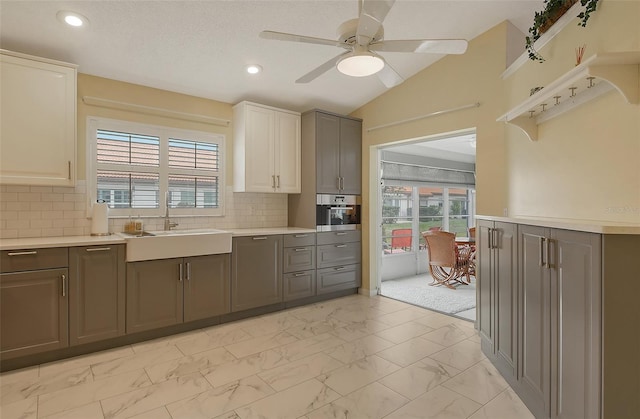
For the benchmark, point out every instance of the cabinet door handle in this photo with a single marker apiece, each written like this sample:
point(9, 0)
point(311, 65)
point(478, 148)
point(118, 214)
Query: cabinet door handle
point(339, 268)
point(188, 271)
point(300, 249)
point(64, 285)
point(546, 253)
point(541, 258)
point(341, 183)
point(273, 181)
point(260, 238)
point(278, 181)
point(338, 182)
point(299, 236)
point(341, 234)
point(69, 166)
point(30, 252)
point(496, 238)
point(98, 249)
point(180, 272)
point(340, 246)
point(489, 240)
point(298, 274)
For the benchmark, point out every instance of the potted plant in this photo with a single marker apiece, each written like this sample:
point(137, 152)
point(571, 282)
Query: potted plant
point(544, 19)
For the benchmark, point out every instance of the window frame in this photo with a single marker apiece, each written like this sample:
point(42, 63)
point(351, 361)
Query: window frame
point(165, 134)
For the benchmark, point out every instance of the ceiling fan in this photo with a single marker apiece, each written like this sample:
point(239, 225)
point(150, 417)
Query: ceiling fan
point(363, 39)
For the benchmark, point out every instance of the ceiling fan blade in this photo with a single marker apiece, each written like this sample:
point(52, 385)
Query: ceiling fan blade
point(320, 70)
point(372, 14)
point(389, 77)
point(281, 36)
point(427, 46)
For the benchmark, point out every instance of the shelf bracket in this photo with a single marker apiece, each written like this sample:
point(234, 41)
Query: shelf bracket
point(527, 124)
point(625, 78)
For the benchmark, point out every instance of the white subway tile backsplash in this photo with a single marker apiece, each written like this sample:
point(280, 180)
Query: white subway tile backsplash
point(44, 211)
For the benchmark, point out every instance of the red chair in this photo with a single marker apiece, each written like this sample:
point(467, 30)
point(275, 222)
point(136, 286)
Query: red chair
point(401, 239)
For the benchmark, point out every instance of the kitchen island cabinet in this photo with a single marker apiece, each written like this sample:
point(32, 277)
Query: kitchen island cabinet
point(575, 307)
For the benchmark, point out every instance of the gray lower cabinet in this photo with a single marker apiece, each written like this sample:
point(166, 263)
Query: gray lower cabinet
point(338, 261)
point(154, 294)
point(497, 282)
point(166, 292)
point(299, 266)
point(206, 288)
point(256, 271)
point(33, 301)
point(560, 338)
point(96, 293)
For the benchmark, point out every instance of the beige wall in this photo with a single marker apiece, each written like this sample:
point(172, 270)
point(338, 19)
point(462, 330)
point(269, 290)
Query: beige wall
point(146, 96)
point(585, 164)
point(452, 82)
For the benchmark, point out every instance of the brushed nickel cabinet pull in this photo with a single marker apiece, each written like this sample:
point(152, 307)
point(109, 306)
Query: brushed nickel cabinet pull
point(300, 249)
point(339, 268)
point(180, 272)
point(338, 181)
point(546, 253)
point(298, 274)
point(541, 257)
point(98, 249)
point(341, 234)
point(64, 285)
point(340, 246)
point(260, 238)
point(273, 181)
point(278, 183)
point(30, 252)
point(188, 271)
point(69, 169)
point(299, 236)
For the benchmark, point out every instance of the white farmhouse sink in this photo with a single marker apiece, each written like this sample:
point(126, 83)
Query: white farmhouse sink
point(177, 243)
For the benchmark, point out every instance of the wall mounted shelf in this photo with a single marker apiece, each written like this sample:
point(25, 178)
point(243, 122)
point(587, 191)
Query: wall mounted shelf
point(597, 75)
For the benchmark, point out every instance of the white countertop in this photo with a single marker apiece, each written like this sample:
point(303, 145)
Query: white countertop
point(66, 241)
point(71, 241)
point(590, 226)
point(268, 231)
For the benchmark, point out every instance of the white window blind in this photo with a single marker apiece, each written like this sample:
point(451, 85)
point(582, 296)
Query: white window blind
point(134, 165)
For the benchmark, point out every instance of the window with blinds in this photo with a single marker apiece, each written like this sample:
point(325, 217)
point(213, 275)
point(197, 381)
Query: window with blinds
point(135, 166)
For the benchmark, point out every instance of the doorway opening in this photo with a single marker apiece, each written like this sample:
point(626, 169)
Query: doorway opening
point(425, 184)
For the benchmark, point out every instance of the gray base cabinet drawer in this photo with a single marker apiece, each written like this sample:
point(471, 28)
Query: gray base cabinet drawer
point(299, 285)
point(338, 278)
point(33, 259)
point(299, 259)
point(333, 237)
point(300, 239)
point(338, 254)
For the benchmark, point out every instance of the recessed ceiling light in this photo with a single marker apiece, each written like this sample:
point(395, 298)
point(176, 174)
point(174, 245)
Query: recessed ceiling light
point(253, 69)
point(73, 19)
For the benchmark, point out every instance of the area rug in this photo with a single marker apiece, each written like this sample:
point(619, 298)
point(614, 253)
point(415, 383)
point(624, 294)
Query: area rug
point(415, 290)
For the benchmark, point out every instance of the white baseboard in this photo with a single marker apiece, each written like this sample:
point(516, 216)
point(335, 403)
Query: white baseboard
point(368, 292)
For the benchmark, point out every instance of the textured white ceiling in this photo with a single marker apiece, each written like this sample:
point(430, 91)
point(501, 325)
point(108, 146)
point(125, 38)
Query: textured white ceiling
point(201, 47)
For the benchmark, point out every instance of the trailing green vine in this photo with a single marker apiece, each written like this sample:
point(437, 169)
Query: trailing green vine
point(544, 19)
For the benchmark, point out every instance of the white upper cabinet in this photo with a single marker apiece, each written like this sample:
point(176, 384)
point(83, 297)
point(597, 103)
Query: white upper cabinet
point(266, 149)
point(38, 114)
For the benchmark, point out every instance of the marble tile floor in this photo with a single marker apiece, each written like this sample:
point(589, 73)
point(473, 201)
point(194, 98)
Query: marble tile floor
point(352, 357)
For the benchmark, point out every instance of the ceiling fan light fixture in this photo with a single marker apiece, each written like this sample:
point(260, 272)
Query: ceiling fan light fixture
point(360, 64)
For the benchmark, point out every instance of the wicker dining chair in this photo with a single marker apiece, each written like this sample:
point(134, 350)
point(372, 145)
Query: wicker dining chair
point(448, 263)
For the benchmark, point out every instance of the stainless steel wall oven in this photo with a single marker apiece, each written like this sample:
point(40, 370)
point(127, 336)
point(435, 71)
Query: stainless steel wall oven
point(337, 212)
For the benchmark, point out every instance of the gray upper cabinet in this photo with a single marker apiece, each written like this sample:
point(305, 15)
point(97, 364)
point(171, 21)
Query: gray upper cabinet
point(206, 286)
point(338, 154)
point(96, 293)
point(498, 298)
point(256, 271)
point(33, 302)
